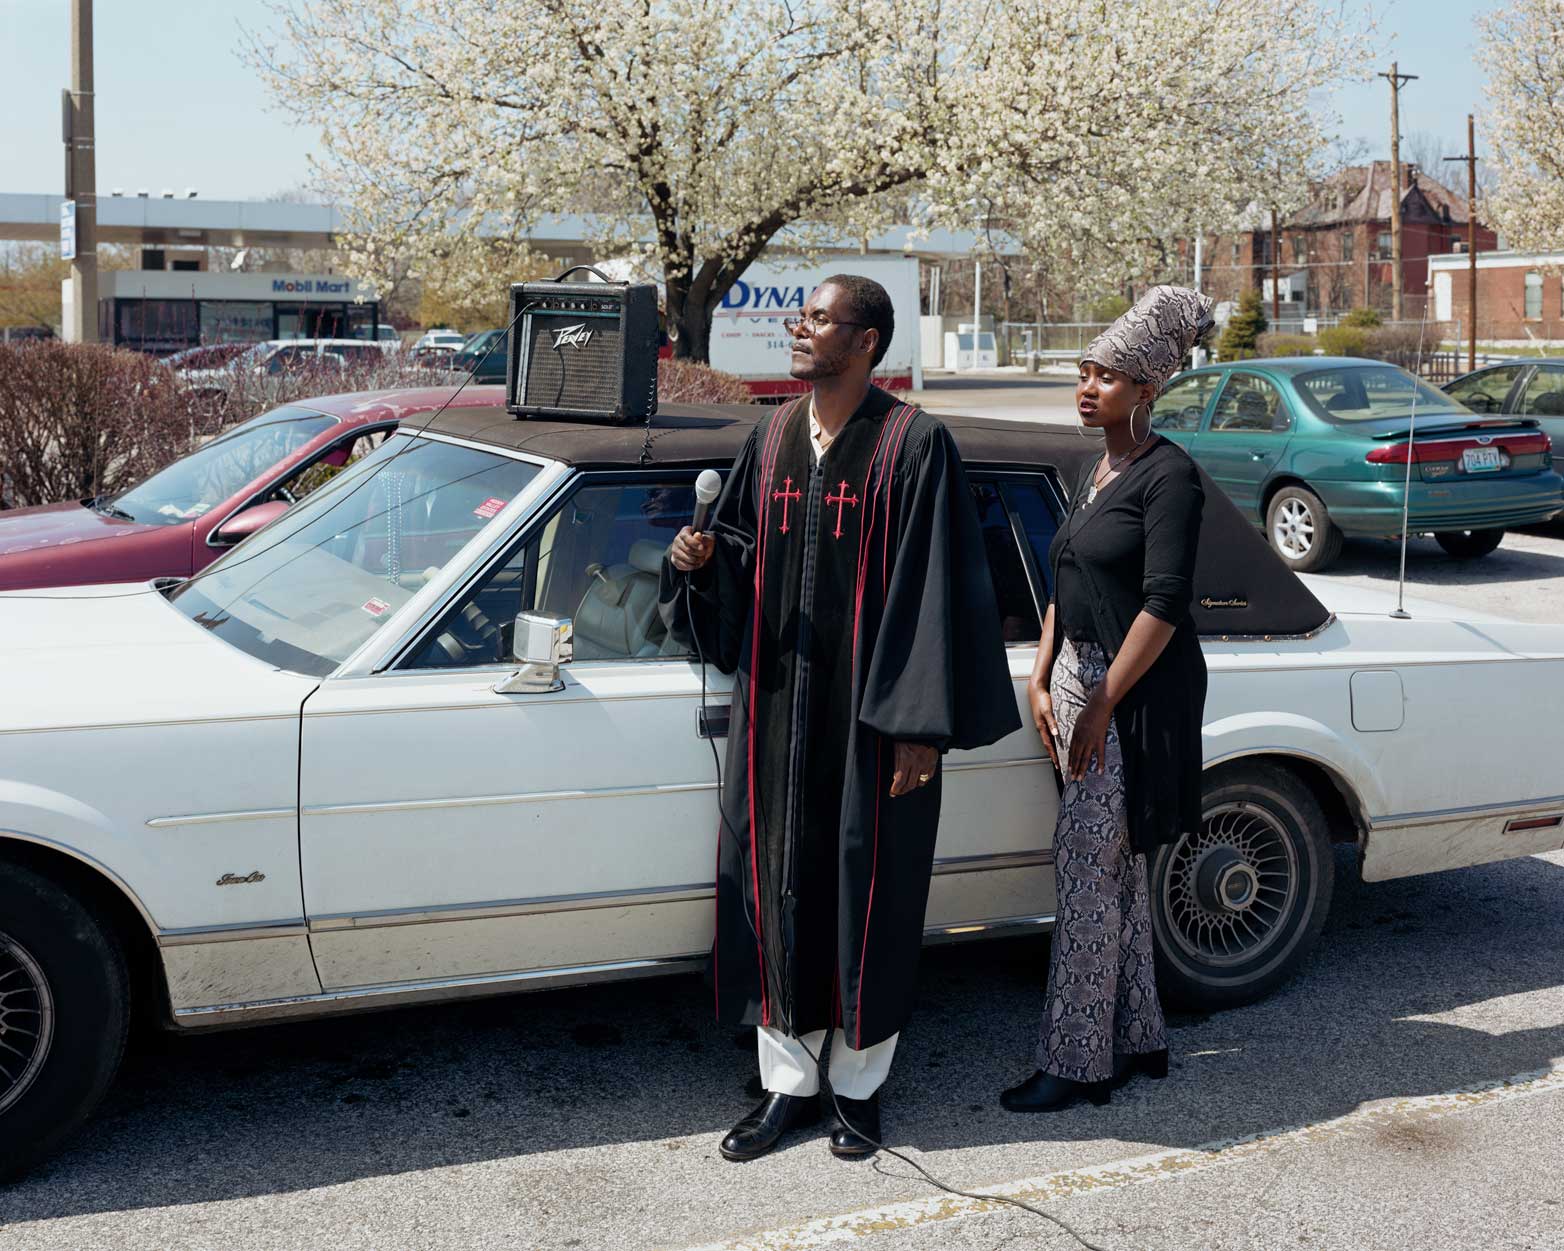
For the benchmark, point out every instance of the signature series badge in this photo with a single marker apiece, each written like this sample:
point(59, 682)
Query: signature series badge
point(577, 336)
point(233, 879)
point(1236, 602)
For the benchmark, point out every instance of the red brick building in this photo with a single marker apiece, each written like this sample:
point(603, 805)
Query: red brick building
point(1335, 252)
point(1520, 296)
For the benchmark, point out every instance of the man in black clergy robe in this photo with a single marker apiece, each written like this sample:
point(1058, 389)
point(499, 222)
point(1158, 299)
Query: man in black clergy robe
point(843, 579)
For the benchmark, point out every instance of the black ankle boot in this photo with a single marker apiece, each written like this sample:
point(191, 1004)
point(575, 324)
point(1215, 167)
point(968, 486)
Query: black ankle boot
point(1152, 1064)
point(856, 1129)
point(763, 1128)
point(1044, 1092)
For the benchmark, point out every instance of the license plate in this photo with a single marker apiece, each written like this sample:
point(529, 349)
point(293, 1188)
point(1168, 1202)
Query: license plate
point(1482, 459)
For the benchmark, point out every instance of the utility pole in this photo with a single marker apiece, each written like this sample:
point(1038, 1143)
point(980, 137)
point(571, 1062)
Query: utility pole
point(1276, 267)
point(81, 322)
point(1470, 160)
point(1396, 80)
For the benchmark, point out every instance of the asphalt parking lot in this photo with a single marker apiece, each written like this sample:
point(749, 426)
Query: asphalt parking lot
point(1405, 1091)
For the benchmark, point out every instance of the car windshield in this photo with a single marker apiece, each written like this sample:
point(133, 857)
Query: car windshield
point(195, 484)
point(312, 588)
point(1371, 392)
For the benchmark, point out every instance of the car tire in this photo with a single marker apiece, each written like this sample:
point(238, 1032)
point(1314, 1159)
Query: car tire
point(1299, 529)
point(64, 1014)
point(1469, 544)
point(1236, 906)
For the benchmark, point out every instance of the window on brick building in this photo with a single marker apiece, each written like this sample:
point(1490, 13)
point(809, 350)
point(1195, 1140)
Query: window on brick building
point(1382, 247)
point(1300, 250)
point(1348, 240)
point(1533, 296)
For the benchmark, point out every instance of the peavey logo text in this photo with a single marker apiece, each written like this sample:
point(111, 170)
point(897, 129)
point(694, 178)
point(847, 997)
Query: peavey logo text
point(249, 879)
point(1235, 602)
point(572, 336)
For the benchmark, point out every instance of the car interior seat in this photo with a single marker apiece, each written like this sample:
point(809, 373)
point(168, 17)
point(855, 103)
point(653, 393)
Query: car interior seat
point(1549, 404)
point(618, 614)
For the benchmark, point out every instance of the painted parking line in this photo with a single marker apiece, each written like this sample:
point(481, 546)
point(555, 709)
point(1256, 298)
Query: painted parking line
point(911, 1214)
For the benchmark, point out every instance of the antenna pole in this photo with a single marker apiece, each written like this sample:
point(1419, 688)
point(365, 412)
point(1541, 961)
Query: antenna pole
point(1401, 613)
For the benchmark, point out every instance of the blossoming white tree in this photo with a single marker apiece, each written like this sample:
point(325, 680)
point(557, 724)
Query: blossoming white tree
point(694, 133)
point(1522, 55)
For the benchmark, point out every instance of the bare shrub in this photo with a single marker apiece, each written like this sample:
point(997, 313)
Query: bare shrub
point(688, 382)
point(80, 420)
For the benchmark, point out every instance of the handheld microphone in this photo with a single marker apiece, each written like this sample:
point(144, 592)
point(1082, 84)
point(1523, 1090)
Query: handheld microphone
point(707, 487)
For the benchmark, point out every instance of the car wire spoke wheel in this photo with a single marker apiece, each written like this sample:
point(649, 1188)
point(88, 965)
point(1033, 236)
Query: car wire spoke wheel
point(26, 1020)
point(1293, 527)
point(1229, 888)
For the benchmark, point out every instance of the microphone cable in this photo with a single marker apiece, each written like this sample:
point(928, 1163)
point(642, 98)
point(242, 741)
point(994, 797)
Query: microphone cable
point(163, 586)
point(820, 1070)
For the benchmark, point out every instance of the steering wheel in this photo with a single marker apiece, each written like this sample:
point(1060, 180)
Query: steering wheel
point(471, 632)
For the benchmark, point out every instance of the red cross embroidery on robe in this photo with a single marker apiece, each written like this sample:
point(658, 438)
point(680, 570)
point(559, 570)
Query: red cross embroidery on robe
point(842, 500)
point(787, 495)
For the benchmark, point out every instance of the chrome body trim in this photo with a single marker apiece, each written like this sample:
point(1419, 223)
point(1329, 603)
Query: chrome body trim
point(214, 818)
point(641, 897)
point(371, 998)
point(241, 932)
point(1544, 806)
point(519, 797)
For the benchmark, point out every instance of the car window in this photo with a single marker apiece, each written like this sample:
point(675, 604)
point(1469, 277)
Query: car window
point(596, 559)
point(1035, 510)
point(1486, 390)
point(1369, 393)
point(1250, 404)
point(194, 485)
point(334, 570)
point(1544, 394)
point(1183, 404)
point(306, 481)
point(1017, 609)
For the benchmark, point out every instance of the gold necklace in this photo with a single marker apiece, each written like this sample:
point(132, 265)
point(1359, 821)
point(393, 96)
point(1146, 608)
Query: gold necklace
point(1099, 480)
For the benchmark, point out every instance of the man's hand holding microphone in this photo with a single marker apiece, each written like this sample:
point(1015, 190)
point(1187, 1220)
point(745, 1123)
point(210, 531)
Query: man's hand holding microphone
point(693, 547)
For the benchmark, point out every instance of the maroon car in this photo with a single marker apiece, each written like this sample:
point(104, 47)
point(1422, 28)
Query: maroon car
point(187, 515)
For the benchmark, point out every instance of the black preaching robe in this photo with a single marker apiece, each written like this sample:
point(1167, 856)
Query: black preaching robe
point(852, 599)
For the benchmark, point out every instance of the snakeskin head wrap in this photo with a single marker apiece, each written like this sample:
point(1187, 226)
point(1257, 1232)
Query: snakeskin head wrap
point(1149, 342)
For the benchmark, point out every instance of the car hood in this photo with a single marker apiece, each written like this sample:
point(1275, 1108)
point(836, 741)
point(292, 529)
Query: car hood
point(57, 525)
point(101, 656)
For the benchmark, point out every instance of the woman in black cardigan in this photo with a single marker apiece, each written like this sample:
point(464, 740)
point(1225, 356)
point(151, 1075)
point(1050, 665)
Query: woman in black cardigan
point(1117, 693)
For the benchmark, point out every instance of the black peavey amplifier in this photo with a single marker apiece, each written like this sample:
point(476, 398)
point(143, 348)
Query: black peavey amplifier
point(584, 350)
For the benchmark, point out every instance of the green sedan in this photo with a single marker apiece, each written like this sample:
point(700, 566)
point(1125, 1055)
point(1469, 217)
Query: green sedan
point(1316, 448)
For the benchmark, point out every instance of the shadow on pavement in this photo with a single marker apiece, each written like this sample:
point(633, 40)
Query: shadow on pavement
point(296, 1107)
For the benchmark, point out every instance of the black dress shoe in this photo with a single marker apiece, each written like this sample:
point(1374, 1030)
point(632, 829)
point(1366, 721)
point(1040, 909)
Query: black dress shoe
point(856, 1128)
point(763, 1128)
point(1152, 1064)
point(1044, 1092)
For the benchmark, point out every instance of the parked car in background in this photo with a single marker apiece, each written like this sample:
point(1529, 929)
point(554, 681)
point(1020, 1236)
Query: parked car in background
point(384, 335)
point(207, 356)
point(1314, 449)
point(187, 515)
point(448, 340)
point(477, 361)
point(284, 356)
point(1527, 388)
point(356, 763)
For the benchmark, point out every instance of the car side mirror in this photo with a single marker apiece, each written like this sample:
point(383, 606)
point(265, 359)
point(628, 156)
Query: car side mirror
point(542, 644)
point(247, 521)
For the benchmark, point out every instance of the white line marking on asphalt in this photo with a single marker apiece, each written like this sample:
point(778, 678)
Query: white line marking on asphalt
point(1157, 1166)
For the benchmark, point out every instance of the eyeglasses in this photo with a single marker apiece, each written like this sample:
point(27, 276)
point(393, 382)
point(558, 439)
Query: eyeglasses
point(813, 324)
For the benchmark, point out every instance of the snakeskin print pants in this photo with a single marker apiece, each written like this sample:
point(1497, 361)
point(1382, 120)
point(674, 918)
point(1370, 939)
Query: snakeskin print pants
point(1102, 992)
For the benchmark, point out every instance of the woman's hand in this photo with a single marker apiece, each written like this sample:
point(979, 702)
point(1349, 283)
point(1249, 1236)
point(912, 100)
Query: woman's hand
point(1089, 739)
point(690, 551)
point(1043, 719)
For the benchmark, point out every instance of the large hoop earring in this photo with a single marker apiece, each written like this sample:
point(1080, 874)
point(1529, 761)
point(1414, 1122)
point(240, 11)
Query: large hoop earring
point(1147, 407)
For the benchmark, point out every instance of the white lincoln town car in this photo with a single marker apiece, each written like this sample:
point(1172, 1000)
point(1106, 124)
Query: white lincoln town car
point(424, 737)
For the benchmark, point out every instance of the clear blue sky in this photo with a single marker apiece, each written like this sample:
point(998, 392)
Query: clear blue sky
point(177, 109)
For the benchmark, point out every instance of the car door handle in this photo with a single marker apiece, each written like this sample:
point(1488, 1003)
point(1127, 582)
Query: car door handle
point(712, 722)
point(1256, 454)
